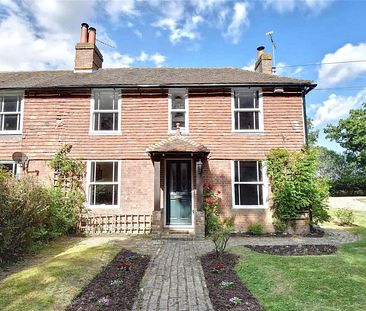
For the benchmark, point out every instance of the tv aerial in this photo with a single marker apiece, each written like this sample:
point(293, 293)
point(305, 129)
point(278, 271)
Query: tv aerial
point(274, 47)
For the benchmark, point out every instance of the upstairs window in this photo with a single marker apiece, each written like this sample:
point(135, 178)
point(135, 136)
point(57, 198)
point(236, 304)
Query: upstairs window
point(9, 166)
point(178, 110)
point(248, 184)
point(247, 111)
point(106, 114)
point(103, 183)
point(10, 113)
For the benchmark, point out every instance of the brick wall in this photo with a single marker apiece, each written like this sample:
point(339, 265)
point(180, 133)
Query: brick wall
point(54, 118)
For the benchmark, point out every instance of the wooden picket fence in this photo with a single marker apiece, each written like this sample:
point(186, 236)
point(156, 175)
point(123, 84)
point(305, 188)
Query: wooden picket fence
point(126, 223)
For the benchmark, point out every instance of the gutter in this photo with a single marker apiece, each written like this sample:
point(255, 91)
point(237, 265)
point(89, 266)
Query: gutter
point(305, 86)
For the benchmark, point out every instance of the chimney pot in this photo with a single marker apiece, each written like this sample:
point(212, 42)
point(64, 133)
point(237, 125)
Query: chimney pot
point(260, 51)
point(92, 35)
point(84, 33)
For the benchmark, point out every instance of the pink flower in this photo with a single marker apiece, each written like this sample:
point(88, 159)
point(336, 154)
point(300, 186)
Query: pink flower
point(209, 200)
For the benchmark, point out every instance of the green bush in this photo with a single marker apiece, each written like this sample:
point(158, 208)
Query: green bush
point(279, 225)
point(255, 229)
point(296, 186)
point(345, 217)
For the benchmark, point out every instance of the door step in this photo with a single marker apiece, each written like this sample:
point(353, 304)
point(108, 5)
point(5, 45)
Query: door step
point(172, 234)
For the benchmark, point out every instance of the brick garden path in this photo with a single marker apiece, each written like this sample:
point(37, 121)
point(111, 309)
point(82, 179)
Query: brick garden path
point(174, 279)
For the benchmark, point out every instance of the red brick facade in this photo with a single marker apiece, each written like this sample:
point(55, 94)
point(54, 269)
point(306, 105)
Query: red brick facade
point(51, 119)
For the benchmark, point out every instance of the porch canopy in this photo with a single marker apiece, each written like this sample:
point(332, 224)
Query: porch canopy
point(173, 147)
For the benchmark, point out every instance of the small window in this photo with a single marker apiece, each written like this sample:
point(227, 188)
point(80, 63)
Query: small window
point(178, 110)
point(10, 113)
point(103, 183)
point(105, 112)
point(248, 184)
point(9, 166)
point(247, 111)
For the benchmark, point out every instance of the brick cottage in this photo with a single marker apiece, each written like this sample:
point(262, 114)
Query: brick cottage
point(152, 137)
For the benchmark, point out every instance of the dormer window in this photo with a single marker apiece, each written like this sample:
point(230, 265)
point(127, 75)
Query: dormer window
point(247, 111)
point(178, 110)
point(106, 112)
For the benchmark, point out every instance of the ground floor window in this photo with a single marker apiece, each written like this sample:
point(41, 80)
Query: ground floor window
point(9, 166)
point(249, 187)
point(103, 189)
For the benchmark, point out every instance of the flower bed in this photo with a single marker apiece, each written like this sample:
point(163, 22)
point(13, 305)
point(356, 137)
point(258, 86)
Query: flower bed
point(114, 288)
point(226, 290)
point(294, 250)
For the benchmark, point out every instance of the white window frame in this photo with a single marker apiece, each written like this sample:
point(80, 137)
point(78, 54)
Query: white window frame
point(184, 94)
point(16, 167)
point(117, 96)
point(259, 109)
point(89, 183)
point(21, 112)
point(264, 182)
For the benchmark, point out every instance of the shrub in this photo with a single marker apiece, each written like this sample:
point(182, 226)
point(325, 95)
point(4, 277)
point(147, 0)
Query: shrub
point(296, 186)
point(279, 225)
point(345, 217)
point(218, 230)
point(255, 229)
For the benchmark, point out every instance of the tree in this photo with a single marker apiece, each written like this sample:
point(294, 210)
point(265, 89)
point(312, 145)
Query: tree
point(350, 133)
point(313, 135)
point(332, 165)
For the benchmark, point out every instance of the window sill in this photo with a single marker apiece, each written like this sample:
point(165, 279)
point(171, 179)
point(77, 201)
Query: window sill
point(10, 133)
point(250, 207)
point(103, 206)
point(173, 132)
point(105, 133)
point(247, 131)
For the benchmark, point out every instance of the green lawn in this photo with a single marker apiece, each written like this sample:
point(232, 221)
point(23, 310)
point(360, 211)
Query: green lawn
point(333, 282)
point(51, 279)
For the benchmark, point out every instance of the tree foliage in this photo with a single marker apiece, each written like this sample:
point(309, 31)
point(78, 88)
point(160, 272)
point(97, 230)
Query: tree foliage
point(295, 184)
point(313, 134)
point(350, 133)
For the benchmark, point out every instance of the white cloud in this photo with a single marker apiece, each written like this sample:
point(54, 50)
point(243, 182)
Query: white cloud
point(239, 20)
point(116, 60)
point(333, 74)
point(116, 8)
point(158, 59)
point(285, 6)
point(282, 70)
point(337, 106)
point(250, 65)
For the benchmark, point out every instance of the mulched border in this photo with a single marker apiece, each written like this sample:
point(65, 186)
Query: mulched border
point(220, 296)
point(294, 250)
point(316, 234)
point(119, 296)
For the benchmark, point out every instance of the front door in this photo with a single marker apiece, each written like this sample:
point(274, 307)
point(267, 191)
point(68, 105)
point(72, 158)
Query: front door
point(178, 192)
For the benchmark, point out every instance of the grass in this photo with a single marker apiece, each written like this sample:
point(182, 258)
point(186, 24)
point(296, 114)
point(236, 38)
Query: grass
point(51, 279)
point(332, 282)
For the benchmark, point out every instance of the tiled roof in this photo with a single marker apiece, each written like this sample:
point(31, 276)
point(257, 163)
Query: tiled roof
point(177, 143)
point(141, 77)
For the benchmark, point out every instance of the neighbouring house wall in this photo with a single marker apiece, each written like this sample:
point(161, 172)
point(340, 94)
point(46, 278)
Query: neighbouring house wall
point(54, 118)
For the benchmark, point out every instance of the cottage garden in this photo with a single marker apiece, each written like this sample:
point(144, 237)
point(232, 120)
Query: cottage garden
point(72, 272)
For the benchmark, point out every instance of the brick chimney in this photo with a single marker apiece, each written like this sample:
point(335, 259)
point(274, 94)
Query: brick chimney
point(87, 56)
point(264, 61)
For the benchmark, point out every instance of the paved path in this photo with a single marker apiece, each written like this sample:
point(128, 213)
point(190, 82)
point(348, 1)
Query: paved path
point(174, 279)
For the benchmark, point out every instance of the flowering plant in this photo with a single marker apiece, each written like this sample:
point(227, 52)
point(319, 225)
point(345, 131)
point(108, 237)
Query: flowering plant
point(117, 282)
point(103, 302)
point(124, 267)
point(218, 268)
point(226, 284)
point(235, 301)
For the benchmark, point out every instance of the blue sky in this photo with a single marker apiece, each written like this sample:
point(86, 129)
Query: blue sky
point(41, 34)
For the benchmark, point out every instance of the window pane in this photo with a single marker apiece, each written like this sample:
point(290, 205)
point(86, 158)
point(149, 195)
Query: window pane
point(256, 120)
point(106, 100)
point(116, 121)
point(178, 102)
point(106, 121)
point(10, 122)
point(236, 175)
point(103, 194)
point(245, 100)
point(178, 117)
point(248, 171)
point(260, 177)
point(92, 168)
point(104, 171)
point(246, 121)
point(115, 197)
point(249, 195)
point(236, 189)
point(236, 116)
point(10, 103)
point(115, 171)
point(9, 167)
